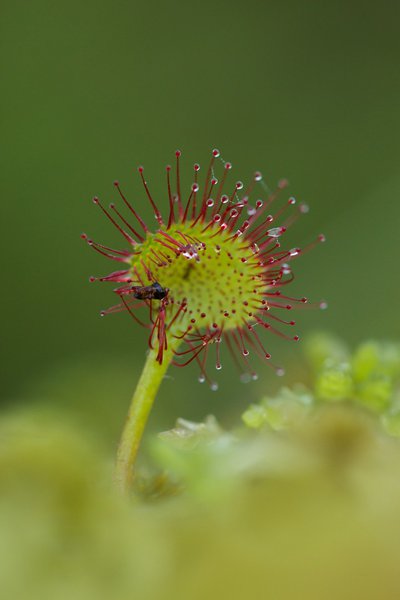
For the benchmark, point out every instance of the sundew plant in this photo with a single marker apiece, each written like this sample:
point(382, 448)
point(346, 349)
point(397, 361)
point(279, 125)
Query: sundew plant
point(207, 278)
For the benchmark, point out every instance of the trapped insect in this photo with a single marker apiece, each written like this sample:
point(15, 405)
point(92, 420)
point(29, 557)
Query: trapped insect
point(149, 292)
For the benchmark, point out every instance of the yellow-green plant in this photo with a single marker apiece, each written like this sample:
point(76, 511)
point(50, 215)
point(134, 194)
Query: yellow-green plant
point(211, 277)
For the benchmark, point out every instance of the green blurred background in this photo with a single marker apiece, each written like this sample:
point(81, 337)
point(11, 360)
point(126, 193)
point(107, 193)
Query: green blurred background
point(309, 90)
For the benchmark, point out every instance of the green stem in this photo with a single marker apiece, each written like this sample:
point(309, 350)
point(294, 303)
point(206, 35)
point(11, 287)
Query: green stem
point(141, 404)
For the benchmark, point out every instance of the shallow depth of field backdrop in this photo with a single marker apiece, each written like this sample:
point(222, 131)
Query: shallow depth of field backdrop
point(308, 90)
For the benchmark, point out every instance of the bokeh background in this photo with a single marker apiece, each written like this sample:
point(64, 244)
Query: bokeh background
point(308, 90)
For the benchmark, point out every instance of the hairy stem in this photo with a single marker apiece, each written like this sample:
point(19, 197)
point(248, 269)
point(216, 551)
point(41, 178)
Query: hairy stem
point(141, 404)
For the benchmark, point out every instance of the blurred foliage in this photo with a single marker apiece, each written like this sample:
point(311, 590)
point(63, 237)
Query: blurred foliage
point(301, 502)
point(370, 378)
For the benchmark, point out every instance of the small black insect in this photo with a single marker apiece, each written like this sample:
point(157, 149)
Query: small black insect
point(149, 292)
